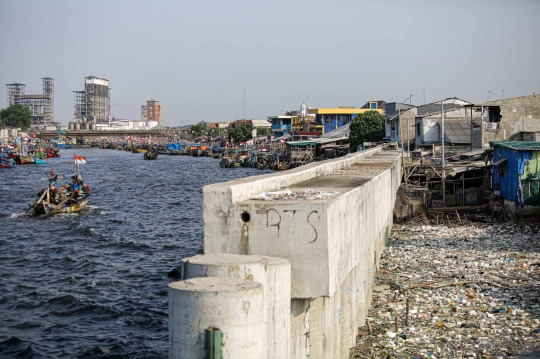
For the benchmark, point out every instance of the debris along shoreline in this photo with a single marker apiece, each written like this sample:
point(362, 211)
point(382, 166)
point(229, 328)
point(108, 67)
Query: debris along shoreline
point(455, 292)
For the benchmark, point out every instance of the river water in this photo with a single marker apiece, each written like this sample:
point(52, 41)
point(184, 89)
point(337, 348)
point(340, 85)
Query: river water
point(94, 284)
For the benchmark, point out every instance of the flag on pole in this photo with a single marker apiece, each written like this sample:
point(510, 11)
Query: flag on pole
point(79, 159)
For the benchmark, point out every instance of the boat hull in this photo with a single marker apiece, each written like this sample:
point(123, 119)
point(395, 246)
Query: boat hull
point(46, 208)
point(25, 160)
point(38, 161)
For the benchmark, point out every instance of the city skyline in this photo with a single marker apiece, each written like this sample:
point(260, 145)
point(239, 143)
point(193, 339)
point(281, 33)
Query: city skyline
point(206, 56)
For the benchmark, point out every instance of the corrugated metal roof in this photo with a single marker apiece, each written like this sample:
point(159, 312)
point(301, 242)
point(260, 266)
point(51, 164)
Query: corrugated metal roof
point(261, 123)
point(457, 131)
point(517, 145)
point(342, 131)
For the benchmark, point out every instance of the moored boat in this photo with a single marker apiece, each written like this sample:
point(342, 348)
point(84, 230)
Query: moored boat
point(39, 161)
point(25, 160)
point(139, 150)
point(150, 155)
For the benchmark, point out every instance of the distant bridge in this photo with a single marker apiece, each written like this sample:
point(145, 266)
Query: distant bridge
point(102, 134)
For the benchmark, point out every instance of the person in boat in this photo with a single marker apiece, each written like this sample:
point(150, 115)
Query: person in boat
point(53, 195)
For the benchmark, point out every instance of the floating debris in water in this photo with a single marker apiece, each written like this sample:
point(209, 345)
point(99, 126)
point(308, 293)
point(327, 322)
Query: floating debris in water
point(288, 195)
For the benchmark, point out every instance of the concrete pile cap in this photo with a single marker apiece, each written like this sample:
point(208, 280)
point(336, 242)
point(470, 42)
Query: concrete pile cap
point(215, 284)
point(223, 259)
point(472, 291)
point(276, 261)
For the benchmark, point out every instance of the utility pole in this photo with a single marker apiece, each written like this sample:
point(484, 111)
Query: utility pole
point(244, 103)
point(410, 99)
point(402, 148)
point(443, 165)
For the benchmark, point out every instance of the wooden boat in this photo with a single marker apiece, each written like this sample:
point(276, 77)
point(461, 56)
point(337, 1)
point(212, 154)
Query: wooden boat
point(139, 150)
point(39, 161)
point(25, 160)
point(71, 197)
point(7, 165)
point(150, 155)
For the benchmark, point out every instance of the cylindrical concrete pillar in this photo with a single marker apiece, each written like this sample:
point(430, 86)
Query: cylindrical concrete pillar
point(226, 265)
point(279, 308)
point(239, 266)
point(234, 306)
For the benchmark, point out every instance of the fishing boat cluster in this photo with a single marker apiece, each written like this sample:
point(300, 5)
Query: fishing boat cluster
point(13, 154)
point(272, 156)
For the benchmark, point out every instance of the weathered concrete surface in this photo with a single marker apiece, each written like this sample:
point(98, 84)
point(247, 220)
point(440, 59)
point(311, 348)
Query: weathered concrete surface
point(275, 276)
point(518, 115)
point(279, 307)
point(324, 239)
point(333, 244)
point(235, 306)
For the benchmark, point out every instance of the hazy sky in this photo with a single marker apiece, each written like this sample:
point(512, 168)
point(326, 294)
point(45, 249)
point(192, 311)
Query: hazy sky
point(196, 57)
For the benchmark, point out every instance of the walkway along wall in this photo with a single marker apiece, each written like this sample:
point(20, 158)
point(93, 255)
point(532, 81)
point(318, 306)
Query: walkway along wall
point(332, 243)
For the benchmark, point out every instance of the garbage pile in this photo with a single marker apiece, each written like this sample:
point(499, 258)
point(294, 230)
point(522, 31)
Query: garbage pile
point(362, 170)
point(467, 291)
point(288, 195)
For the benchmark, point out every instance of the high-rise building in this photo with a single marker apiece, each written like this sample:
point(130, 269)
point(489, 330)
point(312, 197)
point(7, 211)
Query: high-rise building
point(41, 106)
point(93, 104)
point(144, 114)
point(151, 111)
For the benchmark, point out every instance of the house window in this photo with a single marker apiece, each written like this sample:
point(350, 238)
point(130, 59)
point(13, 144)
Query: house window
point(494, 114)
point(373, 105)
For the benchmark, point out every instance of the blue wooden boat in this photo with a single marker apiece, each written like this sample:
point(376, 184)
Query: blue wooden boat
point(39, 161)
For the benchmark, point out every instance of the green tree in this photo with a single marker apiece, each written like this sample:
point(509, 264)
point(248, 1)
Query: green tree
point(16, 116)
point(263, 131)
point(215, 132)
point(366, 127)
point(199, 129)
point(294, 113)
point(241, 133)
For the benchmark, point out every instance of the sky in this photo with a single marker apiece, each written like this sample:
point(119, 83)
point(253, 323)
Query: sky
point(216, 60)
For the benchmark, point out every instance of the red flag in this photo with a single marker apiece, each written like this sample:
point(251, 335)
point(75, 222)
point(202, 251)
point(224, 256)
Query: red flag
point(79, 159)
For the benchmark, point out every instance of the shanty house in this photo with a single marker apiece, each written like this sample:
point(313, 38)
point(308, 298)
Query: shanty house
point(457, 125)
point(516, 170)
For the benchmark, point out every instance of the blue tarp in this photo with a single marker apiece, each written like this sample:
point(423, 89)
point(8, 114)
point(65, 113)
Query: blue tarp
point(173, 146)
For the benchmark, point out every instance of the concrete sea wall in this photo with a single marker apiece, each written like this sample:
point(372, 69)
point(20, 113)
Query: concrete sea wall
point(333, 242)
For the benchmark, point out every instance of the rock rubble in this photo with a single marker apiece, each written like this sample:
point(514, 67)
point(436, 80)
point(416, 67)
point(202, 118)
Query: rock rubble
point(470, 291)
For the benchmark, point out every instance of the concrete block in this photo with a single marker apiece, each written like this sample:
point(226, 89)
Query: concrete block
point(235, 306)
point(279, 308)
point(324, 239)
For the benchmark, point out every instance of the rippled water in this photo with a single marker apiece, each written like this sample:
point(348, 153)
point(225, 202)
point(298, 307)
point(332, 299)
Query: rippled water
point(74, 282)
